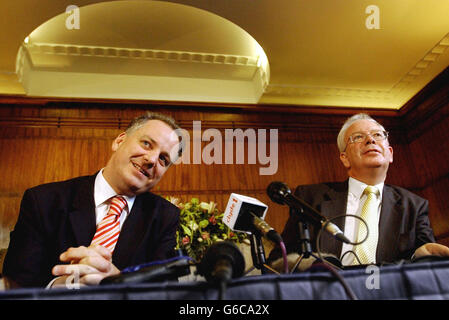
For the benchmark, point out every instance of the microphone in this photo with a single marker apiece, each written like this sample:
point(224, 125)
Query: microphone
point(169, 269)
point(246, 214)
point(222, 262)
point(265, 229)
point(280, 193)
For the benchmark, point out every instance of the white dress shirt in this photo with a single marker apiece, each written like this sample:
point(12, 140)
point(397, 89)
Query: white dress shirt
point(356, 198)
point(102, 193)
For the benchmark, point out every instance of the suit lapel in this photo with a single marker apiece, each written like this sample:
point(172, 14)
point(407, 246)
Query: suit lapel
point(389, 224)
point(335, 206)
point(82, 217)
point(135, 227)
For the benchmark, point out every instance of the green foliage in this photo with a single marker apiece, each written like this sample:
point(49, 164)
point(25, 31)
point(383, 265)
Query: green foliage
point(200, 226)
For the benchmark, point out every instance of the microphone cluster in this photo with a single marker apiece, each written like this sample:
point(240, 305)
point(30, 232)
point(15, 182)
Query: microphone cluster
point(223, 260)
point(246, 214)
point(280, 193)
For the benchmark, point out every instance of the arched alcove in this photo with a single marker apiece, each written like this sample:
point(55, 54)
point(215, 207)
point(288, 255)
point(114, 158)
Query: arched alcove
point(143, 50)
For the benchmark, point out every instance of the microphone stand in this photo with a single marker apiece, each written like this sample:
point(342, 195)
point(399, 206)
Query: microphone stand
point(258, 252)
point(305, 248)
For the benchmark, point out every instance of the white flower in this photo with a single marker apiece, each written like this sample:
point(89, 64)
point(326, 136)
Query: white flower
point(193, 225)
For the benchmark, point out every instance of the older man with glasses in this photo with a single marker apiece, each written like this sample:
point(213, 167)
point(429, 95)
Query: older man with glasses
point(397, 220)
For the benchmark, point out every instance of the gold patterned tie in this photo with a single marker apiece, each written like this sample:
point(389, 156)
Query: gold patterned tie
point(366, 251)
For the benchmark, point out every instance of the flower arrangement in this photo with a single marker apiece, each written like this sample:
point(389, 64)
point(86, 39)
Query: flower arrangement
point(200, 226)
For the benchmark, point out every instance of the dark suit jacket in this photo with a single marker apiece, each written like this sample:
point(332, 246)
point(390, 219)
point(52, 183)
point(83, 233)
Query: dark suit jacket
point(56, 216)
point(403, 226)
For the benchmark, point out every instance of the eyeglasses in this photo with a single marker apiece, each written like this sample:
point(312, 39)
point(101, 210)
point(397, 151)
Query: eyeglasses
point(377, 135)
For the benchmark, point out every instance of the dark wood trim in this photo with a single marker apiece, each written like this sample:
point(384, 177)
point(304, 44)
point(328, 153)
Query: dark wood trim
point(200, 106)
point(434, 86)
point(427, 108)
point(423, 111)
point(209, 191)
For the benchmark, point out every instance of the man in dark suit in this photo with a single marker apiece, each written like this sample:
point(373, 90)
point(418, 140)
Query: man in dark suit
point(401, 225)
point(51, 241)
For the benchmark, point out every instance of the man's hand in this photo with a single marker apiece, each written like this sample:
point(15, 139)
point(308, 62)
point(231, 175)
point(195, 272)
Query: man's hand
point(432, 249)
point(88, 266)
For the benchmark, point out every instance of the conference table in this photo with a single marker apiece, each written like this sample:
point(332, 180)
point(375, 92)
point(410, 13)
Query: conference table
point(427, 280)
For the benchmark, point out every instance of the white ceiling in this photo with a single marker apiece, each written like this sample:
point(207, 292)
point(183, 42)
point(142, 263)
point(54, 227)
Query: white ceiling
point(320, 52)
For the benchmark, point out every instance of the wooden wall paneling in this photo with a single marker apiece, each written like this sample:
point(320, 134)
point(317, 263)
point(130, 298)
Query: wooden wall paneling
point(430, 157)
point(402, 171)
point(427, 108)
point(57, 144)
point(426, 120)
point(34, 161)
point(431, 152)
point(437, 195)
point(60, 140)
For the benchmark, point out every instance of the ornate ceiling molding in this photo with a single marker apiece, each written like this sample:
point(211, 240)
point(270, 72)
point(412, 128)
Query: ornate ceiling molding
point(146, 50)
point(398, 88)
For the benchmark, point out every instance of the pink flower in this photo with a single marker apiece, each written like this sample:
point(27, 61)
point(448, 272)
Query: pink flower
point(205, 235)
point(185, 240)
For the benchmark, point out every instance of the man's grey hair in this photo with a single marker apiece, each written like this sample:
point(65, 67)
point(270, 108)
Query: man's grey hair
point(341, 142)
point(138, 122)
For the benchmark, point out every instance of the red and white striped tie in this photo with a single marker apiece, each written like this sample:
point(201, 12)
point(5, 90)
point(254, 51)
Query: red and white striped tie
point(108, 229)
